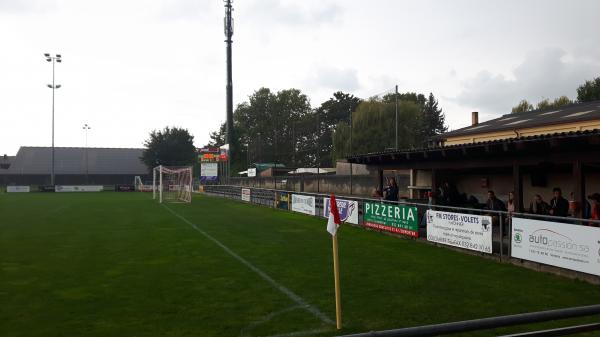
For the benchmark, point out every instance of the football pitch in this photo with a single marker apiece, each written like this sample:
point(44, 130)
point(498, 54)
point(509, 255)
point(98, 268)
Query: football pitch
point(120, 264)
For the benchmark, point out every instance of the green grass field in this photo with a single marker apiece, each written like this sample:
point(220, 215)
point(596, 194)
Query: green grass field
point(119, 264)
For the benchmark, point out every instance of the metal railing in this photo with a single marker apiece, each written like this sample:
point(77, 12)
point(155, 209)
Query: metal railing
point(498, 322)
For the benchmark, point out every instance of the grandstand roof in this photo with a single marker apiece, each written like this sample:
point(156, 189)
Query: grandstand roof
point(72, 160)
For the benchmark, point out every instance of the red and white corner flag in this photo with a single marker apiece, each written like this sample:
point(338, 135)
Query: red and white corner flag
point(334, 216)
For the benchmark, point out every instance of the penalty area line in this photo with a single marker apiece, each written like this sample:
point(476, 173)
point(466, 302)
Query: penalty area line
point(290, 294)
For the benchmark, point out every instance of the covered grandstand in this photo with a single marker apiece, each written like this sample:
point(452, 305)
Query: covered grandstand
point(73, 166)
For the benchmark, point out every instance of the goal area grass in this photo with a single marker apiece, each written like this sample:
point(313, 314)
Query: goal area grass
point(120, 264)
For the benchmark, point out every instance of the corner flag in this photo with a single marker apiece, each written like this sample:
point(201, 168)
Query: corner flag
point(334, 216)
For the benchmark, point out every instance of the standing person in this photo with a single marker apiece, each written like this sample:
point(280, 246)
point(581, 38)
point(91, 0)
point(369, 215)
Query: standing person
point(493, 203)
point(538, 206)
point(510, 203)
point(594, 208)
point(559, 206)
point(391, 190)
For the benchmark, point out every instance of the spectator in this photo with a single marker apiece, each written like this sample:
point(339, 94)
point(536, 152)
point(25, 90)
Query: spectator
point(559, 206)
point(376, 194)
point(391, 191)
point(510, 204)
point(538, 206)
point(594, 208)
point(493, 203)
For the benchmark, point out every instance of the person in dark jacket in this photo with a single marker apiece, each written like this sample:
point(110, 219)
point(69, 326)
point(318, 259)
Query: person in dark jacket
point(493, 203)
point(538, 206)
point(559, 206)
point(391, 190)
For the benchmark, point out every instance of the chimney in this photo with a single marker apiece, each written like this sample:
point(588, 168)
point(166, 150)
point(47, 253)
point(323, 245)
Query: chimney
point(474, 118)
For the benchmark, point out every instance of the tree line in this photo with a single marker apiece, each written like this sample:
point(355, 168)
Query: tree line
point(586, 92)
point(282, 127)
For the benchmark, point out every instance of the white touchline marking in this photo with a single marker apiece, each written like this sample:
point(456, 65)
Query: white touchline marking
point(252, 325)
point(299, 300)
point(302, 333)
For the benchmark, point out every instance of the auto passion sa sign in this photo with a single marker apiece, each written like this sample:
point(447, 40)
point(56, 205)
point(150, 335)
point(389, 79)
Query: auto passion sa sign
point(467, 231)
point(393, 218)
point(348, 210)
point(303, 204)
point(557, 244)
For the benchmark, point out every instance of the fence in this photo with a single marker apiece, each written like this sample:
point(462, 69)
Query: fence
point(360, 185)
point(482, 232)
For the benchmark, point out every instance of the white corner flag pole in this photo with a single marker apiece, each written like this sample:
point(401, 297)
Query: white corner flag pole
point(336, 276)
point(333, 223)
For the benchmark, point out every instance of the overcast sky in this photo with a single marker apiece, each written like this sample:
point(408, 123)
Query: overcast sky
point(131, 66)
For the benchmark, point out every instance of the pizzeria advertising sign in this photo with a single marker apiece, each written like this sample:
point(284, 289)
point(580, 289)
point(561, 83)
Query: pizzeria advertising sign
point(400, 219)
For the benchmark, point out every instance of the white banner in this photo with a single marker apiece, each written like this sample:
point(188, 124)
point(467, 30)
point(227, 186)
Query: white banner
point(252, 172)
point(467, 231)
point(209, 172)
point(17, 189)
point(348, 210)
point(303, 204)
point(246, 194)
point(82, 188)
point(557, 244)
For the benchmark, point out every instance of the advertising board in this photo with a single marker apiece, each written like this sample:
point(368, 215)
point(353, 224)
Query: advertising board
point(557, 244)
point(400, 219)
point(246, 194)
point(303, 204)
point(18, 189)
point(209, 172)
point(467, 231)
point(125, 188)
point(252, 172)
point(79, 188)
point(348, 210)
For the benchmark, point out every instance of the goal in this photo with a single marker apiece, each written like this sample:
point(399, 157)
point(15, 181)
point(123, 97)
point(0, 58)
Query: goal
point(172, 184)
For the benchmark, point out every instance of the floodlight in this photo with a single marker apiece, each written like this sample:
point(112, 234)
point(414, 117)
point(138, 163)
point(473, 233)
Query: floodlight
point(58, 55)
point(50, 86)
point(58, 60)
point(57, 86)
point(47, 55)
point(48, 60)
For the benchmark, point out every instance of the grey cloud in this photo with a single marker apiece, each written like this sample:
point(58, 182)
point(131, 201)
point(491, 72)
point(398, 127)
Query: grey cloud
point(184, 9)
point(543, 74)
point(292, 14)
point(334, 78)
point(27, 6)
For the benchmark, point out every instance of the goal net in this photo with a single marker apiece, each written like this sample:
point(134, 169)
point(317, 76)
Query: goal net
point(172, 184)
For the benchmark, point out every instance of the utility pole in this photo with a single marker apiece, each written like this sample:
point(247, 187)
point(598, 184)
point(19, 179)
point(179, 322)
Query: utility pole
point(229, 86)
point(53, 86)
point(396, 96)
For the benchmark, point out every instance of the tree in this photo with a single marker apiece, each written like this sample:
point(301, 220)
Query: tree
point(170, 146)
point(589, 91)
point(327, 119)
point(373, 128)
point(561, 101)
point(218, 138)
point(523, 106)
point(432, 121)
point(543, 104)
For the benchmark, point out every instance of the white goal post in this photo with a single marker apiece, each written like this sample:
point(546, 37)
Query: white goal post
point(172, 184)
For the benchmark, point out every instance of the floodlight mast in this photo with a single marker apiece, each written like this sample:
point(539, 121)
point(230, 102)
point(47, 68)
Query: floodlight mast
point(86, 128)
point(229, 87)
point(53, 86)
